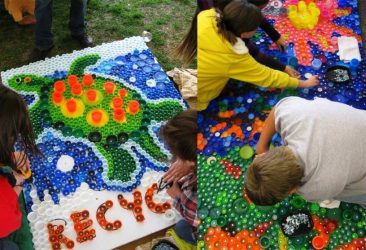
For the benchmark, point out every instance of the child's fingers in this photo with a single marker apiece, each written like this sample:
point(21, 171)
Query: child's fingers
point(167, 177)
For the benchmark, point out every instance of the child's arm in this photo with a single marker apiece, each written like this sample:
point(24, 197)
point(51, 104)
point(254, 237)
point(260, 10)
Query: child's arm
point(263, 58)
point(273, 34)
point(247, 69)
point(268, 131)
point(270, 30)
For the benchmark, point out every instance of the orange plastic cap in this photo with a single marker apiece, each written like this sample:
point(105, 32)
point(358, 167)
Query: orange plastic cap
point(71, 106)
point(59, 86)
point(117, 102)
point(109, 87)
point(57, 97)
point(76, 89)
point(72, 79)
point(91, 94)
point(122, 93)
point(119, 114)
point(88, 80)
point(134, 107)
point(97, 116)
point(319, 242)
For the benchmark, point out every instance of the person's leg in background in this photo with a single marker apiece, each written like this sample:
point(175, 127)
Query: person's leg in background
point(8, 245)
point(77, 23)
point(43, 32)
point(185, 232)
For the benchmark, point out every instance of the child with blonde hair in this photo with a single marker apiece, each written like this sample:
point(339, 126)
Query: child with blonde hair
point(323, 157)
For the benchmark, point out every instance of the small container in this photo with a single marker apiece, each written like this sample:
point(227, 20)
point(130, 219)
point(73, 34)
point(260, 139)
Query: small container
point(354, 64)
point(291, 228)
point(293, 62)
point(169, 215)
point(316, 64)
point(338, 74)
point(147, 36)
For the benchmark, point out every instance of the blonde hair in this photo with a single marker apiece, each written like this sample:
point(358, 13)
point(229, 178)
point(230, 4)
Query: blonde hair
point(271, 177)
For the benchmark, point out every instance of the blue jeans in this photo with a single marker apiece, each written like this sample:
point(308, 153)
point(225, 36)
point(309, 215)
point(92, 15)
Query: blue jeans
point(43, 13)
point(7, 245)
point(185, 232)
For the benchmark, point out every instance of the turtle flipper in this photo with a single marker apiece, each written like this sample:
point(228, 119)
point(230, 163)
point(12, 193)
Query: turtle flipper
point(79, 65)
point(164, 110)
point(161, 111)
point(123, 165)
point(150, 146)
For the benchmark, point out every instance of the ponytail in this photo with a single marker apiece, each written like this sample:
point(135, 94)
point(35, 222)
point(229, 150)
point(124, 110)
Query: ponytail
point(259, 2)
point(222, 28)
point(220, 4)
point(237, 17)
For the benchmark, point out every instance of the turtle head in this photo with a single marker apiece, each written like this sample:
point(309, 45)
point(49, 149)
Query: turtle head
point(28, 83)
point(79, 65)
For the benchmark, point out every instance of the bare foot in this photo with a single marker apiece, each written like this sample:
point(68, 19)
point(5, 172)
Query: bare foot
point(28, 20)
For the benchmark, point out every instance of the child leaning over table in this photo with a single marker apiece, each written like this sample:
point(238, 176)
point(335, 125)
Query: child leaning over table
point(323, 157)
point(180, 135)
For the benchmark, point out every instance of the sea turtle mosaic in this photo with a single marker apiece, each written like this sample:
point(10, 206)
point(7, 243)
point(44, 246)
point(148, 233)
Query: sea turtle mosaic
point(107, 113)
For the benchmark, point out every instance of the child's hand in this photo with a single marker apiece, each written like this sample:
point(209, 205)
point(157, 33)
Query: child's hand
point(20, 179)
point(177, 170)
point(311, 82)
point(22, 161)
point(281, 44)
point(292, 72)
point(174, 191)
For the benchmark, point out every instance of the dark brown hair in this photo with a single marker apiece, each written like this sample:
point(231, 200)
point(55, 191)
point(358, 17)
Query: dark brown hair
point(222, 3)
point(271, 177)
point(237, 17)
point(187, 49)
point(259, 2)
point(240, 17)
point(180, 135)
point(15, 126)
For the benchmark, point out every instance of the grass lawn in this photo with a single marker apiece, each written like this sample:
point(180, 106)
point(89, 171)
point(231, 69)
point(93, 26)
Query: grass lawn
point(108, 20)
